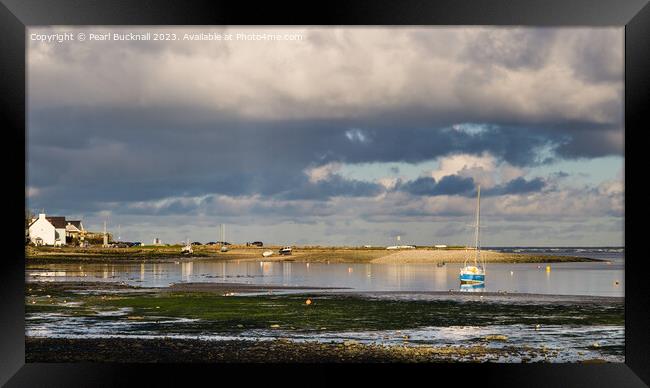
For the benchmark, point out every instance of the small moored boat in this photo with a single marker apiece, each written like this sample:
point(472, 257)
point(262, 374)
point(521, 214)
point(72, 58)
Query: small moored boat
point(286, 250)
point(475, 274)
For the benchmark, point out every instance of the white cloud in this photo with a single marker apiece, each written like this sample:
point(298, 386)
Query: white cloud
point(342, 73)
point(484, 169)
point(469, 128)
point(321, 173)
point(388, 182)
point(356, 135)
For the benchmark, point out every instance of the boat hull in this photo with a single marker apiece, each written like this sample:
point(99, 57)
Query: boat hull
point(469, 278)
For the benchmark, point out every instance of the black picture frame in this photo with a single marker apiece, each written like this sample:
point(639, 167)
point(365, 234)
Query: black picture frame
point(16, 15)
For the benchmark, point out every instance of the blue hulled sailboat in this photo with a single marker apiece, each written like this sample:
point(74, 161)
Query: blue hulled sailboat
point(475, 274)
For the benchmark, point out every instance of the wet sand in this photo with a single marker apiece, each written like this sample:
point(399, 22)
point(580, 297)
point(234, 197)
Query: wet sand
point(238, 287)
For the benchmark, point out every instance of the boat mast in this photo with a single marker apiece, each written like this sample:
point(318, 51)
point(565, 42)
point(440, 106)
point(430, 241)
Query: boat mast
point(478, 220)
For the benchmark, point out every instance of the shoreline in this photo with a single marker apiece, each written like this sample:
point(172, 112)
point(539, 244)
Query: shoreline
point(253, 289)
point(306, 254)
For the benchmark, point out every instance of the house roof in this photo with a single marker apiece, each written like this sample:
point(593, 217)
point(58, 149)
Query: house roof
point(57, 222)
point(76, 224)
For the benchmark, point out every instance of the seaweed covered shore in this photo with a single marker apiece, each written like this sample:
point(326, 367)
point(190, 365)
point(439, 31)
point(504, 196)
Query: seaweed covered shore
point(86, 321)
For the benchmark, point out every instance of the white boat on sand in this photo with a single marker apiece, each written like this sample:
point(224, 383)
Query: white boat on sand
point(187, 249)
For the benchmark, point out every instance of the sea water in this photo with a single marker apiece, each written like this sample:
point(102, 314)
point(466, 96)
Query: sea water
point(603, 278)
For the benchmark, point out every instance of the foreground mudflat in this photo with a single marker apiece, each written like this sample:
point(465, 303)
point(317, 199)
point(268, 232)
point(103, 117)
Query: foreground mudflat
point(279, 351)
point(84, 321)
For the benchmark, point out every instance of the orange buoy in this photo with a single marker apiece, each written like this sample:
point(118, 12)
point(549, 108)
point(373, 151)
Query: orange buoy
point(308, 302)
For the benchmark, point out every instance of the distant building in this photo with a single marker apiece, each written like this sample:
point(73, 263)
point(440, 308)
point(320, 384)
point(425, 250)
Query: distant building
point(74, 229)
point(156, 241)
point(48, 230)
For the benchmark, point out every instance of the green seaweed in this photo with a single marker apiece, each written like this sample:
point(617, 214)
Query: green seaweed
point(336, 312)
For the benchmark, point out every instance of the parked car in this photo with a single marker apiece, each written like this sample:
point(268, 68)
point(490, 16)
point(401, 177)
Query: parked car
point(257, 243)
point(285, 250)
point(120, 245)
point(137, 244)
point(196, 243)
point(211, 243)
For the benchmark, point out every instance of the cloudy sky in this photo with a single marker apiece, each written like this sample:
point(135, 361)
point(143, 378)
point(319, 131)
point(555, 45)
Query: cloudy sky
point(339, 136)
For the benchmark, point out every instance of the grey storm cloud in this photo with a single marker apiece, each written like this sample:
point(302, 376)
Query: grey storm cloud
point(335, 186)
point(466, 186)
point(517, 186)
point(511, 48)
point(448, 185)
point(131, 122)
point(268, 160)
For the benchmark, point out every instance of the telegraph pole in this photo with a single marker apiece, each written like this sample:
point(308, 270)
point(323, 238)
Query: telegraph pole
point(105, 236)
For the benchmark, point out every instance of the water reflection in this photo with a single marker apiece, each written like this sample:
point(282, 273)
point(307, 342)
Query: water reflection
point(472, 287)
point(589, 278)
point(186, 271)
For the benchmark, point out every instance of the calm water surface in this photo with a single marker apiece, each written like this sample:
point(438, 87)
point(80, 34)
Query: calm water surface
point(591, 278)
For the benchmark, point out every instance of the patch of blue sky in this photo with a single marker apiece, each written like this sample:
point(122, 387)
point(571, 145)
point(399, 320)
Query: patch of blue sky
point(471, 128)
point(584, 171)
point(580, 171)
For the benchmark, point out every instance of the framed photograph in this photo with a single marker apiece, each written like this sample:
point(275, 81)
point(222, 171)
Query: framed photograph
point(431, 188)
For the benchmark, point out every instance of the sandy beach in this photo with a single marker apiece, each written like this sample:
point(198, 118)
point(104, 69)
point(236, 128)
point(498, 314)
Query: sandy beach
point(300, 254)
point(426, 256)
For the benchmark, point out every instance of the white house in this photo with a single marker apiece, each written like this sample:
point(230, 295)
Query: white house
point(47, 230)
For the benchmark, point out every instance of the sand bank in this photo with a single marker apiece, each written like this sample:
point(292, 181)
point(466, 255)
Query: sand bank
point(415, 256)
